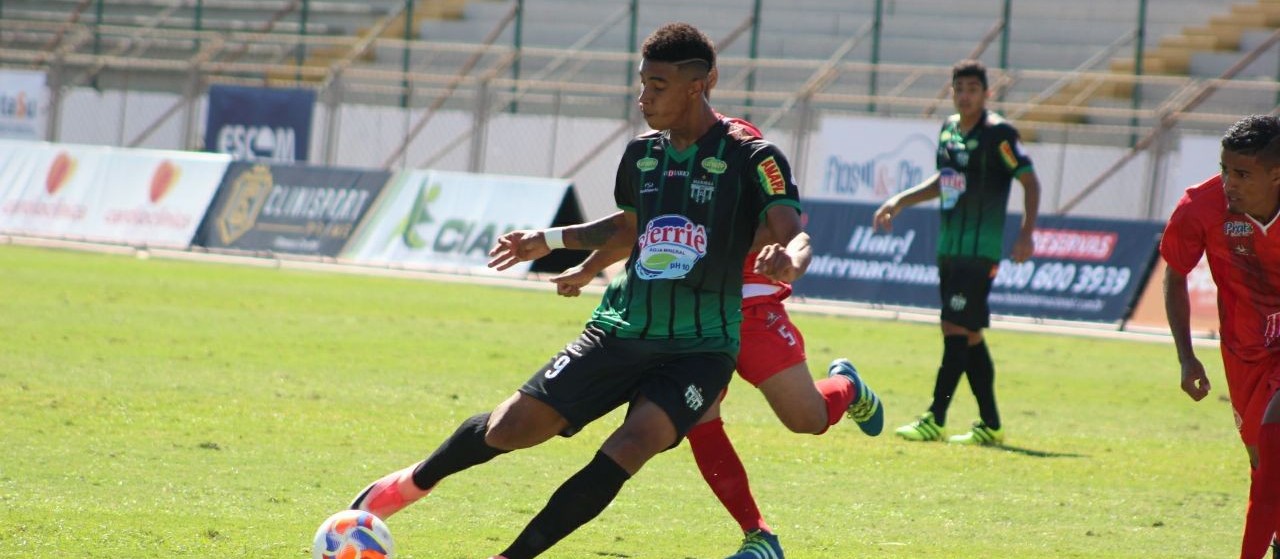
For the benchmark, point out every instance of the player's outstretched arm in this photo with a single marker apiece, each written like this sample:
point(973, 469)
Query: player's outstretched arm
point(923, 192)
point(1025, 244)
point(617, 230)
point(570, 282)
point(1177, 306)
point(788, 258)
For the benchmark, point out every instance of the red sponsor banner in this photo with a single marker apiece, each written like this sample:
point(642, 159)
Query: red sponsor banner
point(1071, 244)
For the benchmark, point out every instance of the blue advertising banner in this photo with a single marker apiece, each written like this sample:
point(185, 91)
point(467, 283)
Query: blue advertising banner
point(255, 123)
point(1083, 269)
point(288, 208)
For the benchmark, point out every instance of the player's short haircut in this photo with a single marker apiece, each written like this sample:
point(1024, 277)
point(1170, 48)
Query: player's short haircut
point(1256, 135)
point(969, 68)
point(680, 44)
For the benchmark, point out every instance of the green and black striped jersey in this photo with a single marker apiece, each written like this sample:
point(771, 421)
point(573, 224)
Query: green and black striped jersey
point(696, 213)
point(975, 173)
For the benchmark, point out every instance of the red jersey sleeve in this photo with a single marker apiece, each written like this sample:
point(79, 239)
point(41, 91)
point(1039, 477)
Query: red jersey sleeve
point(1183, 243)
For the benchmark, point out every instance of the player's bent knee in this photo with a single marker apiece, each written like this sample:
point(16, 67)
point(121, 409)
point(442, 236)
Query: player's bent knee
point(522, 422)
point(635, 443)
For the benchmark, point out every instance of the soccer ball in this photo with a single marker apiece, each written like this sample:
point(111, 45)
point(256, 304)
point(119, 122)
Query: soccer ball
point(353, 534)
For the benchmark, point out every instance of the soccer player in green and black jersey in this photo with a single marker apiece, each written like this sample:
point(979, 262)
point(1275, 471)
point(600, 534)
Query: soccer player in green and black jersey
point(979, 155)
point(665, 337)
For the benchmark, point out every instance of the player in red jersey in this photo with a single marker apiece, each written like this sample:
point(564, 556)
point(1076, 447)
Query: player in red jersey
point(1229, 218)
point(772, 359)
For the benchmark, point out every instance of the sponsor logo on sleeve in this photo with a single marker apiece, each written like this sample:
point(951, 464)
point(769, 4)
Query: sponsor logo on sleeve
point(647, 164)
point(1006, 153)
point(670, 246)
point(771, 178)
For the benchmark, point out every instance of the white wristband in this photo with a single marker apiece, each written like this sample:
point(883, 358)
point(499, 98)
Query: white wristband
point(554, 237)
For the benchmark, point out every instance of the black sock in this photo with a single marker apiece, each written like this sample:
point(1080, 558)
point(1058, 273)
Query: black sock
point(982, 380)
point(579, 499)
point(463, 449)
point(955, 359)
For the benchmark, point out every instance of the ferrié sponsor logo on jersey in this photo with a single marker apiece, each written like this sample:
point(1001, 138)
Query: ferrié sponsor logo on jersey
point(771, 177)
point(1070, 244)
point(670, 246)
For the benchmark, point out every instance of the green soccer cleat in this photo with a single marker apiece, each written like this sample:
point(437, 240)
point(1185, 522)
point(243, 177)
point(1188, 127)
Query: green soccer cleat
point(865, 410)
point(922, 429)
point(759, 544)
point(980, 435)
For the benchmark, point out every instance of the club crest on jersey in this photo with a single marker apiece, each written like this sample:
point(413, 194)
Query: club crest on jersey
point(1237, 229)
point(670, 245)
point(771, 178)
point(701, 191)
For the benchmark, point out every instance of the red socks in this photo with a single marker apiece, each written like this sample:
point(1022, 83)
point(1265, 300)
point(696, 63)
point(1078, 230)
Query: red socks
point(1260, 522)
point(724, 472)
point(838, 393)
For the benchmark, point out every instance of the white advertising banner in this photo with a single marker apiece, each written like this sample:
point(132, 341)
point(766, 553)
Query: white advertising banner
point(449, 221)
point(24, 100)
point(135, 197)
point(870, 159)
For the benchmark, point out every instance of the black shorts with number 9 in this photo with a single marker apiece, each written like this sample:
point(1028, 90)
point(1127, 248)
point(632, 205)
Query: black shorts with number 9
point(965, 284)
point(597, 372)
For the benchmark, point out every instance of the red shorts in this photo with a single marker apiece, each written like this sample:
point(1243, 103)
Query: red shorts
point(770, 343)
point(1251, 386)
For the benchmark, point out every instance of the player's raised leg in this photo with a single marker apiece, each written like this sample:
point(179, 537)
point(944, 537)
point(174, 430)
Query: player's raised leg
point(519, 422)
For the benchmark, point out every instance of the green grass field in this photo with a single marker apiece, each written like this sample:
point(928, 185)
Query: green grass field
point(173, 409)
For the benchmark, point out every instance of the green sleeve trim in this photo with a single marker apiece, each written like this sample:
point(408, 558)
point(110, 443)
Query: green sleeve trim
point(1022, 171)
point(627, 208)
point(785, 201)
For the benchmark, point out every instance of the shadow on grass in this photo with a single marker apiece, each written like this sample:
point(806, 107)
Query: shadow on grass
point(1036, 453)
